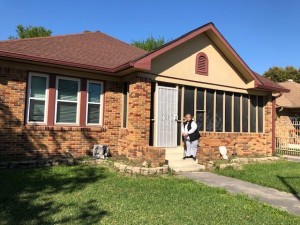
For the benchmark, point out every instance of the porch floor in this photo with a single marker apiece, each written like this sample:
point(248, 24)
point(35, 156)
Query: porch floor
point(177, 164)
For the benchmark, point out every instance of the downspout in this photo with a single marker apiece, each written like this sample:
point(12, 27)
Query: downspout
point(273, 121)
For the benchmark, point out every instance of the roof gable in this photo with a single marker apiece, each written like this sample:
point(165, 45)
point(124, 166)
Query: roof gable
point(221, 43)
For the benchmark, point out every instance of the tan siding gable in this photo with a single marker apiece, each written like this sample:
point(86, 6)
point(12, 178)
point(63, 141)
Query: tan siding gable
point(180, 63)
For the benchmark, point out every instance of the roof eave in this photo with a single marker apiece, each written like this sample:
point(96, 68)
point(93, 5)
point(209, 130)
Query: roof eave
point(273, 89)
point(64, 63)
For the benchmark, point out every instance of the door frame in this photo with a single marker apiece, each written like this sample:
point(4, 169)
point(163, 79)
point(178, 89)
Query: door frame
point(156, 109)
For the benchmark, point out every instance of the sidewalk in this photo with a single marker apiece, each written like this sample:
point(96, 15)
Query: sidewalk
point(292, 158)
point(273, 197)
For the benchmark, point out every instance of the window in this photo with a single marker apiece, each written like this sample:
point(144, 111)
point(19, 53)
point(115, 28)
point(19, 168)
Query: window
point(260, 113)
point(189, 97)
point(94, 102)
point(219, 111)
point(67, 95)
point(237, 112)
point(202, 64)
point(228, 112)
point(200, 109)
point(37, 98)
point(209, 110)
point(245, 117)
point(253, 106)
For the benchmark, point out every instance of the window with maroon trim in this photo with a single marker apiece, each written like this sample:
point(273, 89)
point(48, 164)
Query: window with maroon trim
point(94, 102)
point(67, 100)
point(202, 64)
point(57, 100)
point(37, 98)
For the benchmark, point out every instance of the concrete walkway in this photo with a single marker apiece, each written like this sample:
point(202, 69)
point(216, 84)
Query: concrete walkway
point(292, 158)
point(273, 197)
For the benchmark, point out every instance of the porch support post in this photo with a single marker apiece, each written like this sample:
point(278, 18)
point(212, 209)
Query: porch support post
point(273, 124)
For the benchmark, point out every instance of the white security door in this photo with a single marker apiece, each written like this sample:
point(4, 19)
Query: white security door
point(166, 117)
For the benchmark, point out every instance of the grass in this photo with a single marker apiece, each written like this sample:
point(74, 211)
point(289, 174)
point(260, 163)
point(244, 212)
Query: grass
point(281, 175)
point(94, 195)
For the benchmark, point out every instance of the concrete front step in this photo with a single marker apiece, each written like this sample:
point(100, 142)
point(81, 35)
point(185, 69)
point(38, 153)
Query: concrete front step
point(177, 164)
point(193, 168)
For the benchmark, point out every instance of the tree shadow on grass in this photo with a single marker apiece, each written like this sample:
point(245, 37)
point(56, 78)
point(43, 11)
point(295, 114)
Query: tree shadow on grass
point(30, 196)
point(285, 181)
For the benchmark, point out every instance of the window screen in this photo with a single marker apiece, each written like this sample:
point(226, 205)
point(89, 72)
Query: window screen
point(260, 113)
point(245, 118)
point(209, 110)
point(253, 105)
point(237, 112)
point(219, 111)
point(228, 112)
point(200, 109)
point(189, 99)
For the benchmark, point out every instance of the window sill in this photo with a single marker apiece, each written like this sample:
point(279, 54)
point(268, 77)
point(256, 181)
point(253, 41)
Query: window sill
point(63, 128)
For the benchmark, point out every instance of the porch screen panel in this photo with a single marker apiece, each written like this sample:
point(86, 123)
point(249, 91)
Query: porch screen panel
point(253, 105)
point(260, 119)
point(245, 118)
point(237, 112)
point(209, 110)
point(179, 116)
point(228, 112)
point(189, 100)
point(200, 109)
point(219, 111)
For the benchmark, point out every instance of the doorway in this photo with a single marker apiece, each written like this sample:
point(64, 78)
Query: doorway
point(166, 116)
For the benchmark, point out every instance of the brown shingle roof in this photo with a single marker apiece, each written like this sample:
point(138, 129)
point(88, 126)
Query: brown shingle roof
point(98, 51)
point(91, 48)
point(269, 85)
point(292, 98)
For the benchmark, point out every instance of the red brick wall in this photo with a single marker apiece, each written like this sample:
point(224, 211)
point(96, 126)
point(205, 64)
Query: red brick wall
point(243, 144)
point(134, 141)
point(18, 140)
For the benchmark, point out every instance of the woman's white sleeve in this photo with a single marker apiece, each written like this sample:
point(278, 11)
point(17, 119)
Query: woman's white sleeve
point(182, 128)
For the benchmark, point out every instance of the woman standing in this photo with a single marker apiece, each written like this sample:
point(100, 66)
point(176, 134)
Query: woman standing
point(190, 135)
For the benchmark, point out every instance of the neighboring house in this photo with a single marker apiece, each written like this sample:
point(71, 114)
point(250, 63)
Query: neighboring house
point(66, 93)
point(288, 119)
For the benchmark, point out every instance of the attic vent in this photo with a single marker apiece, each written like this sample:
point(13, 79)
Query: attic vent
point(202, 64)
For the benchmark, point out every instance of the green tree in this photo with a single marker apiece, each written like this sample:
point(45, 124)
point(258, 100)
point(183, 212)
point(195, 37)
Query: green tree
point(30, 32)
point(150, 43)
point(280, 74)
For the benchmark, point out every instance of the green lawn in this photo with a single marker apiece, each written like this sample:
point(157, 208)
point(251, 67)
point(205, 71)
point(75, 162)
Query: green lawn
point(282, 175)
point(93, 195)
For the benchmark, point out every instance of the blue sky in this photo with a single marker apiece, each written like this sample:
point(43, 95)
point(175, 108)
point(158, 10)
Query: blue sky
point(265, 33)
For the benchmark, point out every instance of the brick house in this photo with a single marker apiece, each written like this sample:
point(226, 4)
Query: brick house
point(66, 93)
point(288, 119)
